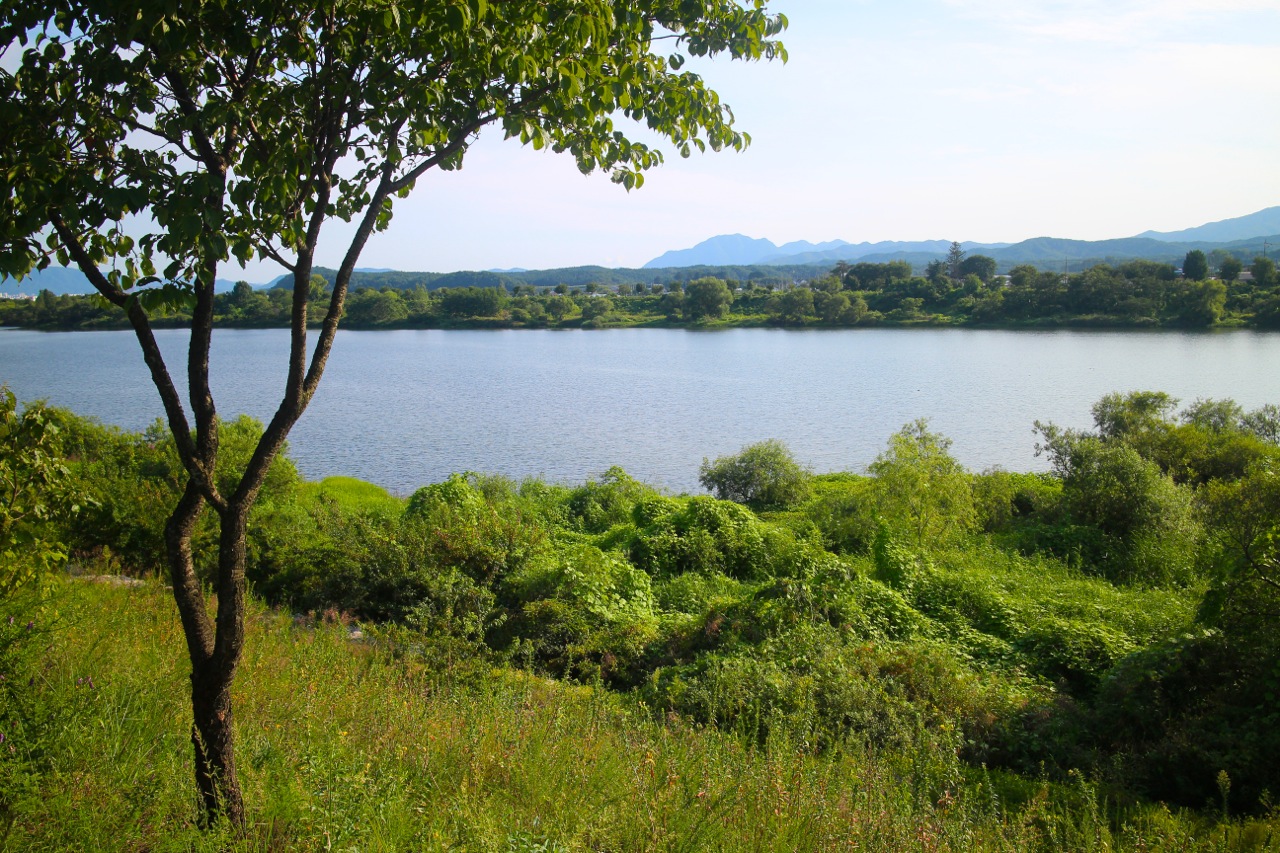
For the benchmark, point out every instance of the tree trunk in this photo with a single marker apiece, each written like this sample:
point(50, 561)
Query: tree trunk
point(213, 740)
point(214, 650)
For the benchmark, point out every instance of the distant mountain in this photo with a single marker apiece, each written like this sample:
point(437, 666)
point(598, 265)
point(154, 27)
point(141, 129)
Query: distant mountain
point(718, 251)
point(860, 251)
point(738, 250)
point(56, 280)
point(1052, 253)
point(1226, 230)
point(61, 281)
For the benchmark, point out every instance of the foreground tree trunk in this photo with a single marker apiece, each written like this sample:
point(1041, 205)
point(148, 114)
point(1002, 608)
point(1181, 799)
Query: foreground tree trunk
point(212, 672)
point(213, 740)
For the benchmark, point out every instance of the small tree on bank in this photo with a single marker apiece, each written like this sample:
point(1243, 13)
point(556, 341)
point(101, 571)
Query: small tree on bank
point(761, 475)
point(240, 130)
point(1195, 266)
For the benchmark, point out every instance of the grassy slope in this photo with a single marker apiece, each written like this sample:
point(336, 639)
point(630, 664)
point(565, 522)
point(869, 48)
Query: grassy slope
point(345, 746)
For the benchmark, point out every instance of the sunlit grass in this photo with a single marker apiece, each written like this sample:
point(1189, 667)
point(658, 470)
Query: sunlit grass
point(348, 746)
point(352, 495)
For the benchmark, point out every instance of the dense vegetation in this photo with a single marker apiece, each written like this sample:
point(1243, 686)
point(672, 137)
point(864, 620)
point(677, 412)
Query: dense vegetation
point(966, 291)
point(1006, 653)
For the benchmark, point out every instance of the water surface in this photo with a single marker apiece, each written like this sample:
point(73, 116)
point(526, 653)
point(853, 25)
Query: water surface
point(405, 408)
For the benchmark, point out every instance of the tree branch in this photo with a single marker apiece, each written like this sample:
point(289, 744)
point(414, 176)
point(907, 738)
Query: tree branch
point(174, 412)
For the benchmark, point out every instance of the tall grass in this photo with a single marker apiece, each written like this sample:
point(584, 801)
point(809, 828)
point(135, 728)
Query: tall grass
point(367, 746)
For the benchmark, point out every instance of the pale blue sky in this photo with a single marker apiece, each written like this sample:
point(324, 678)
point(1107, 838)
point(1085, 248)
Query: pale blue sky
point(988, 120)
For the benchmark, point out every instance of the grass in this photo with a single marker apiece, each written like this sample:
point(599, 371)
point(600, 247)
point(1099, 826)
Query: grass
point(353, 495)
point(357, 746)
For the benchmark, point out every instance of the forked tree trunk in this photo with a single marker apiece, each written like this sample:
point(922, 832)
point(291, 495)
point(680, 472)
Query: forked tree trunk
point(214, 652)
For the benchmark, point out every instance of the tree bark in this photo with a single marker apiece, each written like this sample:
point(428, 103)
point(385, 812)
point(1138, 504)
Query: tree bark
point(213, 740)
point(212, 672)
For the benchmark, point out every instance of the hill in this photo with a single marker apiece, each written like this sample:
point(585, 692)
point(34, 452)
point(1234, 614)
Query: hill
point(62, 281)
point(1263, 222)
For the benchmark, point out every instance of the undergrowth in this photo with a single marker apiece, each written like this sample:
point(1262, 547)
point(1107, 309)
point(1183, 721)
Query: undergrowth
point(367, 745)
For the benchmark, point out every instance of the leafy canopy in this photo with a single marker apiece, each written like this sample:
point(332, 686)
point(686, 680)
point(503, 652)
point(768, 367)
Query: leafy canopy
point(761, 475)
point(239, 127)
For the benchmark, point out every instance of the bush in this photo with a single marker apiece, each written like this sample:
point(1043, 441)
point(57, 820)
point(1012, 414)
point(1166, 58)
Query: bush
point(596, 506)
point(1135, 525)
point(704, 535)
point(762, 476)
point(37, 491)
point(842, 507)
point(480, 525)
point(920, 489)
point(132, 482)
point(1004, 500)
point(580, 612)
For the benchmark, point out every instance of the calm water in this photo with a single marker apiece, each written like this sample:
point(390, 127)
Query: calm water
point(406, 408)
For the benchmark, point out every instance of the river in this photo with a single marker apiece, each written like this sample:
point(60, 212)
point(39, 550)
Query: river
point(406, 408)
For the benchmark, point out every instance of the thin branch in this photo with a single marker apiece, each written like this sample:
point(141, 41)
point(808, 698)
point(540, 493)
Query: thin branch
point(266, 249)
point(174, 411)
point(177, 142)
point(191, 110)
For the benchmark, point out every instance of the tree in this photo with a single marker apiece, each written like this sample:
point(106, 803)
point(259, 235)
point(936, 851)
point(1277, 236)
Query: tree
point(1195, 266)
point(239, 130)
point(761, 475)
point(935, 270)
point(1202, 303)
point(707, 298)
point(1123, 415)
point(1230, 268)
point(955, 258)
point(596, 308)
point(473, 301)
point(983, 266)
point(1214, 415)
point(559, 306)
point(241, 293)
point(793, 305)
point(920, 488)
point(1263, 271)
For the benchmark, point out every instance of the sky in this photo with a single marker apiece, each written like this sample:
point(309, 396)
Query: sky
point(985, 120)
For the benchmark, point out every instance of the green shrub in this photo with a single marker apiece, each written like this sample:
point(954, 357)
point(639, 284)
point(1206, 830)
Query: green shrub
point(842, 507)
point(1005, 500)
point(580, 612)
point(701, 534)
point(36, 492)
point(1145, 529)
point(597, 506)
point(134, 480)
point(761, 475)
point(1071, 651)
point(920, 490)
point(486, 536)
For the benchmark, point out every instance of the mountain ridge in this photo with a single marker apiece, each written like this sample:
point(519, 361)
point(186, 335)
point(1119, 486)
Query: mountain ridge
point(798, 259)
point(739, 249)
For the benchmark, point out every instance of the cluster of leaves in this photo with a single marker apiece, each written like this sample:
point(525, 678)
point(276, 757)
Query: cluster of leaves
point(1111, 615)
point(35, 489)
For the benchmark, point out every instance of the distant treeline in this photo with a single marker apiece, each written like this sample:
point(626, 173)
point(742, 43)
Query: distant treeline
point(959, 290)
